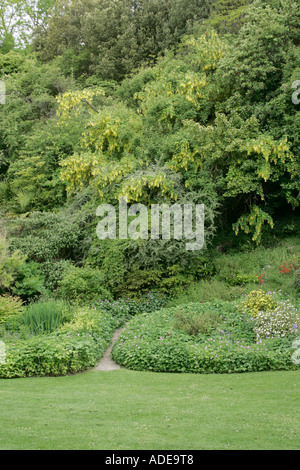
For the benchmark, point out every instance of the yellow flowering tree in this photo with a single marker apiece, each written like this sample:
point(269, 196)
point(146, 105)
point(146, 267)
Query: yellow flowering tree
point(71, 103)
point(243, 163)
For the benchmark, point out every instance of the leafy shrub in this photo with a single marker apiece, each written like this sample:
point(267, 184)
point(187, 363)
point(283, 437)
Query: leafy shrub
point(53, 272)
point(122, 310)
point(10, 307)
point(111, 256)
point(257, 301)
point(284, 320)
point(83, 285)
point(133, 267)
point(169, 281)
point(241, 279)
point(29, 283)
point(45, 317)
point(91, 322)
point(45, 236)
point(10, 262)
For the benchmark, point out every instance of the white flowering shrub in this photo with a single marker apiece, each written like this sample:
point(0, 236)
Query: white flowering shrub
point(283, 321)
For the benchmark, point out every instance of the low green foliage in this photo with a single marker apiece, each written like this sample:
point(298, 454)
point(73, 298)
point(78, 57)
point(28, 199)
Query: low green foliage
point(123, 309)
point(51, 356)
point(161, 343)
point(73, 347)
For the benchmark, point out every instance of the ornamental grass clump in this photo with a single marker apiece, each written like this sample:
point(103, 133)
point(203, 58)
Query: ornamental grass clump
point(281, 322)
point(45, 317)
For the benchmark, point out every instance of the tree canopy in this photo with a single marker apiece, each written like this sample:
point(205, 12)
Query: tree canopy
point(174, 101)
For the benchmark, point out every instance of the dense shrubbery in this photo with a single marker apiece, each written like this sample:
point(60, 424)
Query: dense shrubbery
point(45, 236)
point(82, 285)
point(210, 121)
point(10, 264)
point(206, 338)
point(206, 118)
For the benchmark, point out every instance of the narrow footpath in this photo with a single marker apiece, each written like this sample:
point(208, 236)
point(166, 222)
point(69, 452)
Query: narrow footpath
point(107, 362)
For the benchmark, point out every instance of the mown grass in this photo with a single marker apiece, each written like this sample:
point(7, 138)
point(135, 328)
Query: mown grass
point(127, 410)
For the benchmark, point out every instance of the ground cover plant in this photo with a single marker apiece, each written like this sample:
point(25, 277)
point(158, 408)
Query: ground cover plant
point(253, 335)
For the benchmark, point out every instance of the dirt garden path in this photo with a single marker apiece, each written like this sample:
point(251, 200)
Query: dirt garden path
point(106, 362)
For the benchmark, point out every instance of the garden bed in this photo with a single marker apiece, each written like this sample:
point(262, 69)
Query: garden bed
point(53, 338)
point(71, 348)
point(213, 337)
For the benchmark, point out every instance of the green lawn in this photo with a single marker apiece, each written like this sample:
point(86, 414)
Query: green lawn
point(124, 409)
